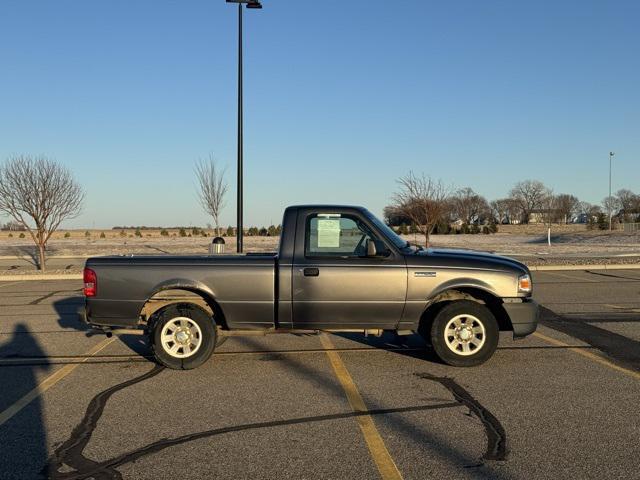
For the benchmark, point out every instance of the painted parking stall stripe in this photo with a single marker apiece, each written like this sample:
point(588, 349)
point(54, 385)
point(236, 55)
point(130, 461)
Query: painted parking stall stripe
point(378, 450)
point(591, 356)
point(49, 382)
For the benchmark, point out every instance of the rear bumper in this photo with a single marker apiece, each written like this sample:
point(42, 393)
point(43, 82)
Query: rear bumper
point(524, 317)
point(117, 313)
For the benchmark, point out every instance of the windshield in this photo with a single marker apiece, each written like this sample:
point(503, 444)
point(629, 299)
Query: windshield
point(386, 230)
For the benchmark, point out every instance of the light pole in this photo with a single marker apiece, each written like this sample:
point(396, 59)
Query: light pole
point(611, 154)
point(239, 227)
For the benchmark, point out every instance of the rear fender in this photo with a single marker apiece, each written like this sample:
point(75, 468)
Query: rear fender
point(182, 291)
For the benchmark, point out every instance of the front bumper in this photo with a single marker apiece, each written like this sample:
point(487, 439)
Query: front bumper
point(524, 317)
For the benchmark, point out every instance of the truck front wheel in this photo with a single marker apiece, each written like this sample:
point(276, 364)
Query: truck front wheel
point(464, 333)
point(183, 336)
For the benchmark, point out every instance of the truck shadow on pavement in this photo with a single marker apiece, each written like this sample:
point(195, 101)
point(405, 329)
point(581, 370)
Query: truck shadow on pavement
point(22, 429)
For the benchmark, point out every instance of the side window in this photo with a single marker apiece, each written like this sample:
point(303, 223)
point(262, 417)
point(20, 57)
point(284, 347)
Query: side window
point(335, 235)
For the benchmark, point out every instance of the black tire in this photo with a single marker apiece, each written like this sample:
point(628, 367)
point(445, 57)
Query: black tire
point(200, 328)
point(474, 337)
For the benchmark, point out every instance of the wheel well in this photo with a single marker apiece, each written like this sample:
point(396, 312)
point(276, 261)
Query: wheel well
point(182, 295)
point(493, 303)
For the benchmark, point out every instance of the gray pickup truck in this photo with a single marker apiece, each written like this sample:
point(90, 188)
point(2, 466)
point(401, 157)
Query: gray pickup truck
point(338, 269)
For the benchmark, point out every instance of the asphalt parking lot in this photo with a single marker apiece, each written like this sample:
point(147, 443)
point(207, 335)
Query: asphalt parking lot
point(560, 404)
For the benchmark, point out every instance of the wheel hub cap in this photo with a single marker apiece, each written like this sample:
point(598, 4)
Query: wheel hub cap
point(181, 337)
point(464, 334)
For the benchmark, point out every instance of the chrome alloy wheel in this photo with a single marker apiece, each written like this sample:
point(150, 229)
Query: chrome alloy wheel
point(181, 337)
point(464, 335)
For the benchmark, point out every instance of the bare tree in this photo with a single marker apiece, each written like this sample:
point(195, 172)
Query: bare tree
point(611, 205)
point(566, 206)
point(504, 210)
point(468, 206)
point(213, 188)
point(529, 195)
point(423, 200)
point(39, 194)
point(629, 202)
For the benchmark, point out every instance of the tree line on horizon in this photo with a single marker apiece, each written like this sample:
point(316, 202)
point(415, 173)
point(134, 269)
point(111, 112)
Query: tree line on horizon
point(38, 194)
point(426, 205)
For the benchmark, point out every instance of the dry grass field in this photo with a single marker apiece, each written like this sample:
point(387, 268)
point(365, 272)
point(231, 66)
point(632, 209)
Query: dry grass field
point(570, 243)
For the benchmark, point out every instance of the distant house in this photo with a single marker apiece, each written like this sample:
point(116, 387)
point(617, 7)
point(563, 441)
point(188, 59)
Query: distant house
point(538, 215)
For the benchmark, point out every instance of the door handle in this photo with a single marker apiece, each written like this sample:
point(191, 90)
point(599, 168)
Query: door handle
point(311, 272)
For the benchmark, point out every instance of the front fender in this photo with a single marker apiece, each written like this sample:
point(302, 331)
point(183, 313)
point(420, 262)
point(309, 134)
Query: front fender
point(458, 283)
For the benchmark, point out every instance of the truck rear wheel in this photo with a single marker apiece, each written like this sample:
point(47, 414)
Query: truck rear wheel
point(464, 333)
point(183, 336)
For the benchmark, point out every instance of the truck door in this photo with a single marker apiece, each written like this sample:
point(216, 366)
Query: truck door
point(335, 284)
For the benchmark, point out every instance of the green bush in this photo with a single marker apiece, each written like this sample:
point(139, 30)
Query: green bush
point(102, 235)
point(464, 228)
point(195, 231)
point(164, 233)
point(67, 235)
point(123, 233)
point(138, 233)
point(486, 230)
point(11, 235)
point(440, 228)
point(21, 235)
point(182, 232)
point(475, 229)
point(87, 234)
point(230, 231)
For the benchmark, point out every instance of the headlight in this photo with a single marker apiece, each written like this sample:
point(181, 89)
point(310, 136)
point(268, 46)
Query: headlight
point(524, 284)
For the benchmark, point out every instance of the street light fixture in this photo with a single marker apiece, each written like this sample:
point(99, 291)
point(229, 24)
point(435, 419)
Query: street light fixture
point(253, 4)
point(611, 154)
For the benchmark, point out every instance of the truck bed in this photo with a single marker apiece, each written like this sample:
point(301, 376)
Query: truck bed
point(242, 285)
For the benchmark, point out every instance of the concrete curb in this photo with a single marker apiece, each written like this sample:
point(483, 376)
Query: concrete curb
point(24, 278)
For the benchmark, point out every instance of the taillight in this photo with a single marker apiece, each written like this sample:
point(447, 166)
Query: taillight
point(90, 283)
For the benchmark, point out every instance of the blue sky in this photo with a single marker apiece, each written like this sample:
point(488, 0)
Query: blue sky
point(341, 98)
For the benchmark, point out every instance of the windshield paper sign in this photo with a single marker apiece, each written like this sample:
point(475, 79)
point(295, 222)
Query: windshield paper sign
point(328, 232)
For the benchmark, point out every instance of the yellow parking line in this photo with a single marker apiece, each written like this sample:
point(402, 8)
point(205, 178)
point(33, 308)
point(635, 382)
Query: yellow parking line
point(49, 382)
point(590, 356)
point(619, 307)
point(377, 449)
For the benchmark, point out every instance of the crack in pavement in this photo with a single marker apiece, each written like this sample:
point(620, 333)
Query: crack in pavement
point(496, 435)
point(70, 453)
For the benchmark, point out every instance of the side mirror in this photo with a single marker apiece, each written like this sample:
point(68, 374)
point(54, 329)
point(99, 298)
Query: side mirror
point(371, 248)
